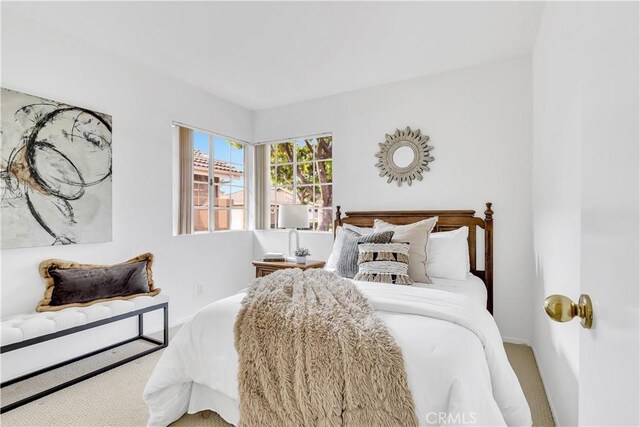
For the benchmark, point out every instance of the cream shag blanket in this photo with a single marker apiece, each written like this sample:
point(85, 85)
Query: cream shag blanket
point(312, 352)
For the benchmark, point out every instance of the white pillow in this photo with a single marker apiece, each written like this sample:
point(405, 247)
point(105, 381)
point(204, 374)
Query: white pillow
point(332, 262)
point(417, 235)
point(448, 254)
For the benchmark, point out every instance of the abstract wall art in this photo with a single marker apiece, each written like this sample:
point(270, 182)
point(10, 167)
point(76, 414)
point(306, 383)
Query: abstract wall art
point(55, 173)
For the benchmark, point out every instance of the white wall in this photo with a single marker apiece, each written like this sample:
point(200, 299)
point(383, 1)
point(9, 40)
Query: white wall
point(143, 103)
point(585, 198)
point(479, 121)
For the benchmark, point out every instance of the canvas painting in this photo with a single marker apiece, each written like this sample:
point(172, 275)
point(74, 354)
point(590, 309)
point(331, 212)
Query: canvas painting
point(55, 173)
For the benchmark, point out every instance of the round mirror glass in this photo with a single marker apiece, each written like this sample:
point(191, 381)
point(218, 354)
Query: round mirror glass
point(403, 156)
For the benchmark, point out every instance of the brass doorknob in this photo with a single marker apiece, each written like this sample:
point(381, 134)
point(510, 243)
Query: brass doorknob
point(563, 309)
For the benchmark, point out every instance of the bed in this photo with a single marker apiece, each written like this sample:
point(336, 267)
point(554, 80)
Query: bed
point(456, 366)
point(447, 220)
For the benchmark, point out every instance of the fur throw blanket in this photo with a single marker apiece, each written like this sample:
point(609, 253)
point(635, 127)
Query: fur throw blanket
point(312, 352)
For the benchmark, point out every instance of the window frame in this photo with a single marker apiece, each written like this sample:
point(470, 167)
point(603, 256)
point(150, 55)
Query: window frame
point(294, 164)
point(211, 183)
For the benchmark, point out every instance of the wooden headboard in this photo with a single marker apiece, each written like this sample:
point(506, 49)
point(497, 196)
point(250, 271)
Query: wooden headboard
point(447, 220)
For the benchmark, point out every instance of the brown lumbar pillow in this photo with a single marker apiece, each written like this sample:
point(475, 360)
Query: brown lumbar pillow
point(70, 284)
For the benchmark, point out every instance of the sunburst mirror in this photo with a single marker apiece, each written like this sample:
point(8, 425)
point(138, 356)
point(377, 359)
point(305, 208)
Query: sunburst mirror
point(404, 155)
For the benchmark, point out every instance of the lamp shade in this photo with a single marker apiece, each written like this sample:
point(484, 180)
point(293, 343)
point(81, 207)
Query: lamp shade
point(293, 216)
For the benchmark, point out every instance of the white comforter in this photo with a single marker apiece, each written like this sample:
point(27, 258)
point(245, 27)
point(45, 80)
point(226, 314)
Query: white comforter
point(456, 364)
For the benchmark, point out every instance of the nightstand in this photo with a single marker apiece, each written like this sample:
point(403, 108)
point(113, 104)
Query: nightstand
point(264, 268)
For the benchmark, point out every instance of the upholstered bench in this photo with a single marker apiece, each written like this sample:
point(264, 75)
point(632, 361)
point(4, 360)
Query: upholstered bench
point(23, 330)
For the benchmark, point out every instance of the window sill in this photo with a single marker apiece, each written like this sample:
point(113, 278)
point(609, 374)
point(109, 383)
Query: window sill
point(206, 233)
point(284, 230)
point(280, 231)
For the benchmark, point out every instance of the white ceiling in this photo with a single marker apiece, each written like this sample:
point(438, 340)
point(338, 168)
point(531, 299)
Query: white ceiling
point(266, 54)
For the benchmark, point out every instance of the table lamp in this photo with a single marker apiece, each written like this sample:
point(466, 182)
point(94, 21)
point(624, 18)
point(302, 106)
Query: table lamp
point(293, 217)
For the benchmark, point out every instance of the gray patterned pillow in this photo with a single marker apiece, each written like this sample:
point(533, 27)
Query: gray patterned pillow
point(348, 261)
point(384, 262)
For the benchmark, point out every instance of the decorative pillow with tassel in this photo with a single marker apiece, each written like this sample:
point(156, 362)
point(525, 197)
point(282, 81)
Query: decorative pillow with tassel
point(384, 263)
point(70, 284)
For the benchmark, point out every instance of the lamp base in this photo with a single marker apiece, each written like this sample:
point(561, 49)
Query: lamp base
point(291, 257)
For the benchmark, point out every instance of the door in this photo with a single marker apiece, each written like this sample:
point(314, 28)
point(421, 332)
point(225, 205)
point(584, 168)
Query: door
point(609, 355)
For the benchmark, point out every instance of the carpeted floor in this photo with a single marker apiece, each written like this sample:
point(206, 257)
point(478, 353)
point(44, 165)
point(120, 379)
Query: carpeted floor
point(524, 364)
point(115, 397)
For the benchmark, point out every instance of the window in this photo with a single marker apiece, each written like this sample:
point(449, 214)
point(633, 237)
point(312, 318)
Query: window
point(219, 189)
point(301, 171)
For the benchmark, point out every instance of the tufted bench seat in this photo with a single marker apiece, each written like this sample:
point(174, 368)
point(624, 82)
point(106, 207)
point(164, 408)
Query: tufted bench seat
point(22, 327)
point(23, 330)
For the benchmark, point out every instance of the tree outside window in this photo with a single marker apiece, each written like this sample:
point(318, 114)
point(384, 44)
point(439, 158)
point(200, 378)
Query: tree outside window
point(302, 172)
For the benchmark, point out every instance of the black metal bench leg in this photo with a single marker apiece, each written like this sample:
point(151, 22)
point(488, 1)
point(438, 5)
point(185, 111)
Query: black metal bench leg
point(140, 324)
point(165, 338)
point(165, 330)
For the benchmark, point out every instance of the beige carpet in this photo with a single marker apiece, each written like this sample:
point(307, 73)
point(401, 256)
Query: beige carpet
point(115, 397)
point(524, 364)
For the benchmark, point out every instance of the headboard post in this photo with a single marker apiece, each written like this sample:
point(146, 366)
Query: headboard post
point(488, 254)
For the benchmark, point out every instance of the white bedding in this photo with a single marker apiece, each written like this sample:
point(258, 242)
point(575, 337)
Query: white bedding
point(473, 287)
point(454, 358)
